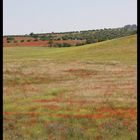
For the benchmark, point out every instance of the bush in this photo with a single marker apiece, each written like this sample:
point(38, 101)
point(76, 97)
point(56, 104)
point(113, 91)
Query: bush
point(66, 45)
point(58, 45)
point(65, 38)
point(22, 41)
point(61, 45)
point(10, 38)
point(35, 40)
point(28, 40)
point(58, 39)
point(35, 36)
point(42, 39)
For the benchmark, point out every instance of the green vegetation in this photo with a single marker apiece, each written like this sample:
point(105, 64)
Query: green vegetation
point(28, 40)
point(84, 37)
point(61, 45)
point(22, 40)
point(102, 52)
point(10, 39)
point(71, 93)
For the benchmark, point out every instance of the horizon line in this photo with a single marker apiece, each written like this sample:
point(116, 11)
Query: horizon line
point(66, 31)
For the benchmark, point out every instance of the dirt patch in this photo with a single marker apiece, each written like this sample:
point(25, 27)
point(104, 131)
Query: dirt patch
point(81, 72)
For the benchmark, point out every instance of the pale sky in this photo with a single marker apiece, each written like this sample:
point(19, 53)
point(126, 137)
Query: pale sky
point(42, 16)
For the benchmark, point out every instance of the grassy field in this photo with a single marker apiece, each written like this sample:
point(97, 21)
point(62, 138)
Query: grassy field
point(76, 93)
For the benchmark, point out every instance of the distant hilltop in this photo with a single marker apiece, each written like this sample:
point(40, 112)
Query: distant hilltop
point(128, 26)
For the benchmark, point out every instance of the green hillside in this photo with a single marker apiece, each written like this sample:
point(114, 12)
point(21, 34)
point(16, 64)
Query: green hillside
point(122, 49)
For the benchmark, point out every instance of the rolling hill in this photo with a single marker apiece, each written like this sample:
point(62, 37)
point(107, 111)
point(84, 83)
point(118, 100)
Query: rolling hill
point(86, 92)
point(122, 49)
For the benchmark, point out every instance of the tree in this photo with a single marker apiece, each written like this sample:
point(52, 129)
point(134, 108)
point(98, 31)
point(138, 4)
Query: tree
point(31, 34)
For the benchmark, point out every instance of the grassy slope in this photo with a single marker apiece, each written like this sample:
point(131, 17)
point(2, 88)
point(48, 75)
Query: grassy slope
point(84, 91)
point(123, 50)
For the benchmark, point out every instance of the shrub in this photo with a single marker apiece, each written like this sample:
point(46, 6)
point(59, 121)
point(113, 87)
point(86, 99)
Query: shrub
point(58, 39)
point(10, 39)
point(66, 45)
point(59, 45)
point(35, 36)
point(35, 40)
point(22, 41)
point(65, 37)
point(28, 40)
point(42, 39)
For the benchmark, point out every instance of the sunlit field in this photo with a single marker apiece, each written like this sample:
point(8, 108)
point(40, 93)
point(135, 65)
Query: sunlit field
point(73, 93)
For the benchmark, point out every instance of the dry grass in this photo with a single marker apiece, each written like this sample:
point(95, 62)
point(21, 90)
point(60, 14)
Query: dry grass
point(65, 99)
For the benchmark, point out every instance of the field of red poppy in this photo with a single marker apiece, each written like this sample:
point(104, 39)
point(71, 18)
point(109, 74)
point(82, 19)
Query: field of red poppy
point(75, 93)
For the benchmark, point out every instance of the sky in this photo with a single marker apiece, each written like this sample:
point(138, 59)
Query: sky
point(44, 16)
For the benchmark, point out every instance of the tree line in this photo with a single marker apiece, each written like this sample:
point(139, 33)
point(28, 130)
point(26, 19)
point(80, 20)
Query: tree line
point(88, 36)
